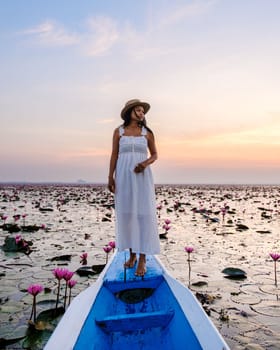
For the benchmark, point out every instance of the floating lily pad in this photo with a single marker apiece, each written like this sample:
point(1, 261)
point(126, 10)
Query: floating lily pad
point(241, 227)
point(270, 289)
point(30, 228)
point(199, 284)
point(47, 302)
point(41, 299)
point(98, 268)
point(42, 275)
point(247, 299)
point(17, 275)
point(65, 257)
point(10, 245)
point(234, 273)
point(11, 307)
point(11, 228)
point(50, 314)
point(268, 308)
point(7, 288)
point(9, 333)
point(8, 341)
point(85, 271)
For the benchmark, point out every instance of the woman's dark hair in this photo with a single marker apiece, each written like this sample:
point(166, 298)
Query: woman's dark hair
point(127, 119)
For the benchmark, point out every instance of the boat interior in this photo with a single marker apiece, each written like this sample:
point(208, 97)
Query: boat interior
point(132, 312)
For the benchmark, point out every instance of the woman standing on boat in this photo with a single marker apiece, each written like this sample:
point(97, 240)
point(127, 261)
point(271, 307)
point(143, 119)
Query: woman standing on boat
point(131, 180)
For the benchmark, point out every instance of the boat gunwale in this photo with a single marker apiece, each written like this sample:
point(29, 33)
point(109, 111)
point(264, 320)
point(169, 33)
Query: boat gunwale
point(199, 321)
point(75, 317)
point(74, 321)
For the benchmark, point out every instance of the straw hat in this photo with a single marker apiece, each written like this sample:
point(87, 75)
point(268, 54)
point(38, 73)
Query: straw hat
point(133, 103)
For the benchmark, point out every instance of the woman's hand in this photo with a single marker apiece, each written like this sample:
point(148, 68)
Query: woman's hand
point(111, 185)
point(140, 167)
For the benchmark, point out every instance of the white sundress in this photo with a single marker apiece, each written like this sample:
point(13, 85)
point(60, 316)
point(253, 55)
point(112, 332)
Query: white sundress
point(135, 204)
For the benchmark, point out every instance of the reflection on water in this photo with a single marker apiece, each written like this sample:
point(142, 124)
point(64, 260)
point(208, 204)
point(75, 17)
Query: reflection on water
point(228, 226)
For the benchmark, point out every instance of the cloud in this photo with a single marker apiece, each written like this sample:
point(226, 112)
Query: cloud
point(168, 16)
point(102, 33)
point(102, 36)
point(51, 33)
point(99, 37)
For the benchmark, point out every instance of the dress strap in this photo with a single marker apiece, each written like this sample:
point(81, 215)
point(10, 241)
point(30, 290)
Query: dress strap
point(121, 130)
point(144, 131)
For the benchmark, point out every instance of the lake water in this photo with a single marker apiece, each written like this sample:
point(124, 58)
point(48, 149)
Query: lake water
point(78, 219)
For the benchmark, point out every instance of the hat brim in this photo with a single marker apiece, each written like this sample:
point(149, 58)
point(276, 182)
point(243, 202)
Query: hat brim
point(145, 105)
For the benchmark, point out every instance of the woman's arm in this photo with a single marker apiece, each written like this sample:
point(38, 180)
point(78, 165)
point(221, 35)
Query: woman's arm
point(113, 161)
point(153, 154)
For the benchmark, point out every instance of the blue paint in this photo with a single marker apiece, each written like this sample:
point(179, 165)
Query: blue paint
point(156, 322)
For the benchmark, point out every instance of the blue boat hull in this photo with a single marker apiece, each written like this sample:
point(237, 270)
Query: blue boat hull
point(129, 312)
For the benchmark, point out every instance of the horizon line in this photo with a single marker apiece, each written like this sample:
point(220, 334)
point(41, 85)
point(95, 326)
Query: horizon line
point(82, 182)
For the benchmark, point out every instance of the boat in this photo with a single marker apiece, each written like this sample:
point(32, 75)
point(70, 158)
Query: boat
point(124, 311)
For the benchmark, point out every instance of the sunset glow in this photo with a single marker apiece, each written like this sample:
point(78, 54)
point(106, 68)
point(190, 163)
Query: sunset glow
point(209, 69)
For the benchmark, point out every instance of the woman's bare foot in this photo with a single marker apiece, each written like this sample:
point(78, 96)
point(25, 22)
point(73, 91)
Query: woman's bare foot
point(130, 263)
point(141, 268)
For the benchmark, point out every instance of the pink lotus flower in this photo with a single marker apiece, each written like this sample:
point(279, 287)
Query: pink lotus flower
point(107, 249)
point(275, 256)
point(24, 216)
point(112, 244)
point(159, 207)
point(35, 289)
point(71, 283)
point(16, 217)
point(22, 244)
point(68, 275)
point(83, 257)
point(4, 218)
point(18, 239)
point(189, 249)
point(167, 221)
point(59, 273)
point(223, 211)
point(166, 228)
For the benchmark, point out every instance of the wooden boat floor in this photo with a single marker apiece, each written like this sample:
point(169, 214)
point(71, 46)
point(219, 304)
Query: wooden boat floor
point(118, 278)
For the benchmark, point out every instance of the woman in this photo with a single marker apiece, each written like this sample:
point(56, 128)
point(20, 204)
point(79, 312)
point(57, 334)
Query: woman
point(130, 179)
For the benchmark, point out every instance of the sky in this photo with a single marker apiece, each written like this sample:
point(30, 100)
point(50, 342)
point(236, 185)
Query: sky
point(209, 68)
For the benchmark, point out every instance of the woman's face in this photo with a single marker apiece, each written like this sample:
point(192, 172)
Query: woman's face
point(138, 114)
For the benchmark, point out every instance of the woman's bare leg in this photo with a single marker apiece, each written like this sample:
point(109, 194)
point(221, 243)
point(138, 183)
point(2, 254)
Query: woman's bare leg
point(141, 268)
point(132, 259)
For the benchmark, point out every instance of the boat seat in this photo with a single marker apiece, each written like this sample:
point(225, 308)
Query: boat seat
point(135, 321)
